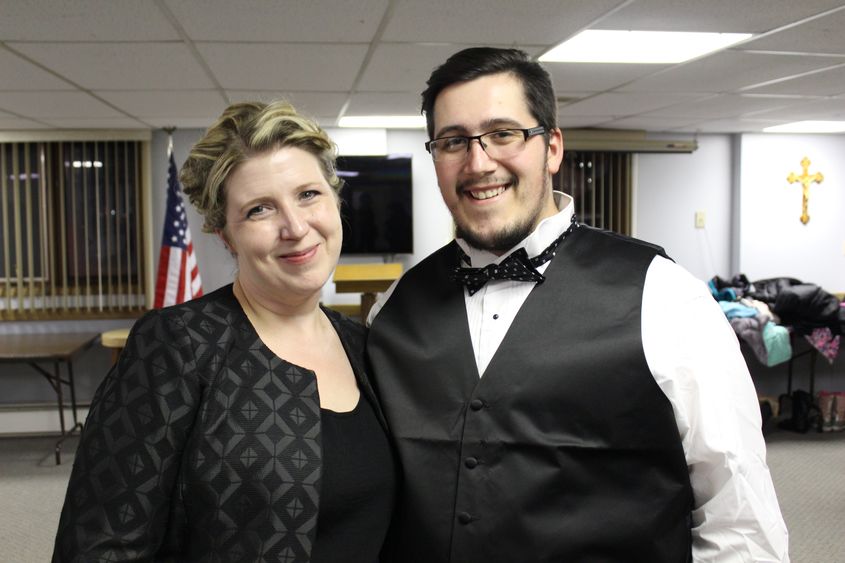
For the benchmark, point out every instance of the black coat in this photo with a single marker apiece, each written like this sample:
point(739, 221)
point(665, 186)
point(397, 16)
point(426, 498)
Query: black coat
point(201, 444)
point(804, 305)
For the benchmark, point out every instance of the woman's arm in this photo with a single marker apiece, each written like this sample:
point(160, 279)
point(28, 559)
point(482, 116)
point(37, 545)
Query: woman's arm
point(121, 488)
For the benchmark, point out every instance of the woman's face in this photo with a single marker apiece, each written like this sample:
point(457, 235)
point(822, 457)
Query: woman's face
point(282, 224)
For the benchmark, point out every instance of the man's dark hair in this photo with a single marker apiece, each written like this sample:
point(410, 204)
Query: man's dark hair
point(475, 62)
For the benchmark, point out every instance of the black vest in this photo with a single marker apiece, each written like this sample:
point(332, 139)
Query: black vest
point(566, 449)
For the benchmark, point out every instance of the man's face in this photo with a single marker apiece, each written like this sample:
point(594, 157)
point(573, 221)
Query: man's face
point(495, 203)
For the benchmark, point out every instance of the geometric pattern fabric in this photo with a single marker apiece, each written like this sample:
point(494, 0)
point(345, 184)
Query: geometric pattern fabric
point(201, 445)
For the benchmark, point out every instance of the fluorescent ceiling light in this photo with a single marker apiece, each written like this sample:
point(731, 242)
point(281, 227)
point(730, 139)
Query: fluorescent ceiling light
point(808, 127)
point(639, 47)
point(383, 121)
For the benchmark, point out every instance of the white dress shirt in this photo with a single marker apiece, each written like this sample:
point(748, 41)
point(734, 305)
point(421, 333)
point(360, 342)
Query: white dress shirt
point(694, 357)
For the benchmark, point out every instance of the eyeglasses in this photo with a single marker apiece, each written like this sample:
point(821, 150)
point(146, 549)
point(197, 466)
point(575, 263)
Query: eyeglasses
point(501, 143)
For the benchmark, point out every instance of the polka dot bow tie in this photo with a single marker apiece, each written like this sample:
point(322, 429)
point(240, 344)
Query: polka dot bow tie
point(517, 266)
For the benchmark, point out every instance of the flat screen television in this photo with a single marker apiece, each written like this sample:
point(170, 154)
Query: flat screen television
point(376, 207)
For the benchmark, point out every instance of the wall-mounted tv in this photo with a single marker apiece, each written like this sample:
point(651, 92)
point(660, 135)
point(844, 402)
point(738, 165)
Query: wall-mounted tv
point(376, 207)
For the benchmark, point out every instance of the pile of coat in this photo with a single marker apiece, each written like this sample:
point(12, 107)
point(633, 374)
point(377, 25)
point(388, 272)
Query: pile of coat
point(761, 311)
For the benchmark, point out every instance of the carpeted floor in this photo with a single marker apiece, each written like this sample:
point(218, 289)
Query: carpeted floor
point(809, 475)
point(32, 490)
point(808, 470)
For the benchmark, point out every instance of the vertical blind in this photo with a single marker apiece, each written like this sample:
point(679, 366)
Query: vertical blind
point(600, 183)
point(70, 239)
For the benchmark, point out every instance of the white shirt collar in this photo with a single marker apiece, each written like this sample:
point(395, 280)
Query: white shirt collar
point(546, 232)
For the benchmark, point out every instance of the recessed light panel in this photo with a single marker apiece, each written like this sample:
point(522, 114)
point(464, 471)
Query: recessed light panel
point(639, 47)
point(808, 127)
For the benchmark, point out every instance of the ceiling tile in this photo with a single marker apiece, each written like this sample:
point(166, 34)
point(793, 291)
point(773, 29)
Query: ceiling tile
point(354, 21)
point(13, 123)
point(84, 20)
point(181, 122)
point(823, 35)
point(313, 104)
point(294, 66)
point(378, 103)
point(618, 104)
point(545, 22)
point(45, 105)
point(726, 72)
point(96, 123)
point(403, 67)
point(160, 103)
point(19, 74)
point(826, 83)
point(728, 105)
point(650, 123)
point(131, 54)
point(596, 77)
point(570, 96)
point(733, 125)
point(581, 121)
point(125, 66)
point(827, 109)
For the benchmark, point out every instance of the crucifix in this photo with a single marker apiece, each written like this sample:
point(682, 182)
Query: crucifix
point(806, 179)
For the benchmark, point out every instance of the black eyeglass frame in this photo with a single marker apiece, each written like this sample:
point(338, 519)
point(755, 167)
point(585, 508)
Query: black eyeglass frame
point(527, 134)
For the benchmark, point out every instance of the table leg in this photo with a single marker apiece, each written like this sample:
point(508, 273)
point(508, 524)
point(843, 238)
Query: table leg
point(789, 380)
point(813, 355)
point(368, 299)
point(72, 395)
point(76, 424)
point(59, 395)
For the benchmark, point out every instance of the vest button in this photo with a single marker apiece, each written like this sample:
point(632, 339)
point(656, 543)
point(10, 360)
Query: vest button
point(471, 462)
point(464, 518)
point(476, 404)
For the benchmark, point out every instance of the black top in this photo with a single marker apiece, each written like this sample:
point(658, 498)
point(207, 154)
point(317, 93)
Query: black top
point(357, 487)
point(202, 445)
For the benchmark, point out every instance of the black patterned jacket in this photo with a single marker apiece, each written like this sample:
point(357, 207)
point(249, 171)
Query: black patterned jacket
point(201, 445)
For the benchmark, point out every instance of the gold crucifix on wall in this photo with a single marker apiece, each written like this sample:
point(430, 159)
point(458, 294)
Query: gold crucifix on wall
point(806, 179)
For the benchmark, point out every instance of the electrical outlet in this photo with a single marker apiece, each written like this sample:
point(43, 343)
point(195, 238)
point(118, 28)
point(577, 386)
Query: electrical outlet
point(699, 219)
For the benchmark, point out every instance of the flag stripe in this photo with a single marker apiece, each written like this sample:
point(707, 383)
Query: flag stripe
point(178, 277)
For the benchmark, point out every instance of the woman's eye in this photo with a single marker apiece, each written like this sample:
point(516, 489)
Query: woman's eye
point(257, 210)
point(309, 194)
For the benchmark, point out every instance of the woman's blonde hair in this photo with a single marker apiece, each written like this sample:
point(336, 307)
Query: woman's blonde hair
point(244, 130)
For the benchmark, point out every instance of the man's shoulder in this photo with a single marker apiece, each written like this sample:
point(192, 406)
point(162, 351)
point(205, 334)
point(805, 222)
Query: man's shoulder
point(622, 243)
point(439, 261)
point(433, 267)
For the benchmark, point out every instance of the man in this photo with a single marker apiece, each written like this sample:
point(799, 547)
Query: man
point(595, 408)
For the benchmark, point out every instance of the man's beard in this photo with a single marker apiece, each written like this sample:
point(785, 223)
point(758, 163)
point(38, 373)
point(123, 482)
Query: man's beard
point(509, 236)
point(499, 242)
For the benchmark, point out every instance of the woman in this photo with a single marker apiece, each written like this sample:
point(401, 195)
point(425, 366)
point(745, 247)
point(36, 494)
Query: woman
point(240, 426)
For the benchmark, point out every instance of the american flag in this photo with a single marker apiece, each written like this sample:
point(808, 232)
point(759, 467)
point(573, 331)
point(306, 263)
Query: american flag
point(178, 276)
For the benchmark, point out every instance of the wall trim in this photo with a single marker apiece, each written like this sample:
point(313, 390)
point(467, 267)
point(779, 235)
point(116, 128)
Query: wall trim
point(36, 419)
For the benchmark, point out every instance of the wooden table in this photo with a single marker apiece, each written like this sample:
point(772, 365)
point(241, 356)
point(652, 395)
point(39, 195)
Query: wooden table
point(115, 340)
point(366, 279)
point(55, 349)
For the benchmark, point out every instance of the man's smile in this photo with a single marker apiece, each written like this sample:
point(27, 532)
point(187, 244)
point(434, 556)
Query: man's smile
point(486, 193)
